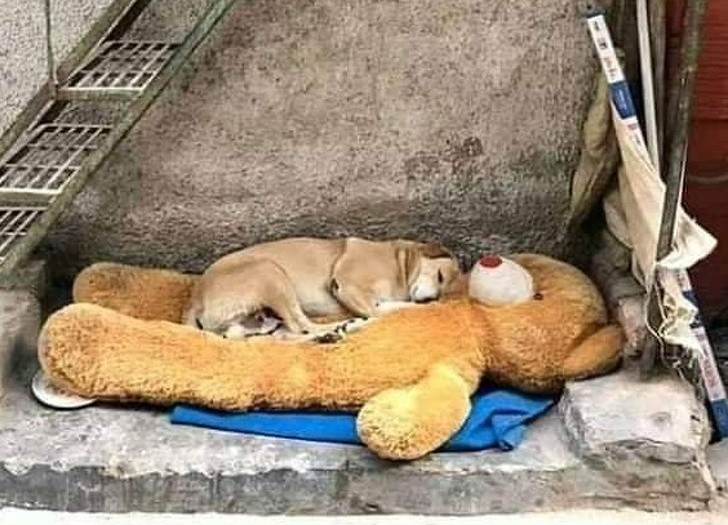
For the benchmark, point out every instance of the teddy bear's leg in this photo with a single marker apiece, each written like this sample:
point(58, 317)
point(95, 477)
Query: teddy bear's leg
point(143, 293)
point(598, 354)
point(407, 423)
point(95, 352)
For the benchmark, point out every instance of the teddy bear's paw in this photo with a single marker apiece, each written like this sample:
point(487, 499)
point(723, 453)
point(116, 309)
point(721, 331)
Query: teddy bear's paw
point(389, 425)
point(407, 423)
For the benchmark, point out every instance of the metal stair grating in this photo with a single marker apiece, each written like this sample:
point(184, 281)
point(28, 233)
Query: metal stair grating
point(14, 223)
point(121, 65)
point(43, 167)
point(51, 156)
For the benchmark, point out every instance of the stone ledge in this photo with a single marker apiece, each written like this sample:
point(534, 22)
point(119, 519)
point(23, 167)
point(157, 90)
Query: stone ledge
point(718, 461)
point(624, 296)
point(614, 442)
point(648, 437)
point(119, 460)
point(20, 317)
point(32, 277)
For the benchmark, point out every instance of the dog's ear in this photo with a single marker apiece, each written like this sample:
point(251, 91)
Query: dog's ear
point(408, 260)
point(433, 250)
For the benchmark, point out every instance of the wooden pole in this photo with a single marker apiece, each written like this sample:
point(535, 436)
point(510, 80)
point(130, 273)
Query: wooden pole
point(648, 89)
point(657, 13)
point(678, 137)
point(677, 132)
point(646, 36)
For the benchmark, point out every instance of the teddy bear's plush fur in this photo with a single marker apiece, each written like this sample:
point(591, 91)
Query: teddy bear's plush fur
point(411, 372)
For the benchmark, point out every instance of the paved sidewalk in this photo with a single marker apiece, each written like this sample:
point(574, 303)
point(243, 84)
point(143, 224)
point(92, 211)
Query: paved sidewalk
point(23, 517)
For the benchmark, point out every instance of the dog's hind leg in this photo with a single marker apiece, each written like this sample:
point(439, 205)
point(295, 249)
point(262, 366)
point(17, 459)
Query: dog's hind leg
point(228, 297)
point(279, 294)
point(297, 321)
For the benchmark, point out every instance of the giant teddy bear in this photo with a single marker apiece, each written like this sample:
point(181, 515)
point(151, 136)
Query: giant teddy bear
point(410, 373)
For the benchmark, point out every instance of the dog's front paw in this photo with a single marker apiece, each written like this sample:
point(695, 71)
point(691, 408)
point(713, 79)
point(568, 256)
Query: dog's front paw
point(352, 325)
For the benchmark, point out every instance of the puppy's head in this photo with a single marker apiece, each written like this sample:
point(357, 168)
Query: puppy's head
point(262, 322)
point(429, 269)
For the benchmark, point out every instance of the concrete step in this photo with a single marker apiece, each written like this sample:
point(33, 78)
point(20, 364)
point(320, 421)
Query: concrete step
point(131, 459)
point(112, 459)
point(613, 442)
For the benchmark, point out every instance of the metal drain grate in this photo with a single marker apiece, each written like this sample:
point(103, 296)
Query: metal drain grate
point(121, 66)
point(49, 158)
point(14, 223)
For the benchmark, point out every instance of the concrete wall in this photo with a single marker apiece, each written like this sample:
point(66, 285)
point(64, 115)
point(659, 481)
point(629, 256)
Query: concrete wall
point(23, 47)
point(23, 58)
point(431, 119)
point(71, 19)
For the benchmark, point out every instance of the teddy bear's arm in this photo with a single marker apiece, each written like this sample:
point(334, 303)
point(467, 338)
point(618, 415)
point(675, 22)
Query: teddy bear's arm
point(598, 354)
point(99, 353)
point(144, 293)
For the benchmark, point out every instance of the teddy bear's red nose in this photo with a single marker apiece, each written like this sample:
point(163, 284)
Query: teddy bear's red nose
point(490, 261)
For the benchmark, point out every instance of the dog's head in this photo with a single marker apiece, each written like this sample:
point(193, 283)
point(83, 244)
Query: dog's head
point(428, 268)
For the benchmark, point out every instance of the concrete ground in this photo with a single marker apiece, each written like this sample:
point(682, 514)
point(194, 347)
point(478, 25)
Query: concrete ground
point(612, 443)
point(21, 517)
point(591, 452)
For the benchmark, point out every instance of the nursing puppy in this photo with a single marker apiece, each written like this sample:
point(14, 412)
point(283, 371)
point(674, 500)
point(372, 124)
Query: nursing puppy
point(283, 284)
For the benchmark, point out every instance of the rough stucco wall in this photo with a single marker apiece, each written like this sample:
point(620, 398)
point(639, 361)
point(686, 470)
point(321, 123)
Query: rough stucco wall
point(71, 19)
point(167, 19)
point(428, 119)
point(23, 59)
point(23, 54)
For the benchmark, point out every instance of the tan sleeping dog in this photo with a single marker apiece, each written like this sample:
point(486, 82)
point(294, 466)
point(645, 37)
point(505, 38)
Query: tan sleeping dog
point(286, 283)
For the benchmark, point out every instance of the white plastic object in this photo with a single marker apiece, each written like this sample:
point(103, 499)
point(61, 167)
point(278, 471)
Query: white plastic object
point(497, 281)
point(51, 397)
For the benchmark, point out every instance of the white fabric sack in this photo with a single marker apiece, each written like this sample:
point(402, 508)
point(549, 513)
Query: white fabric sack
point(635, 216)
